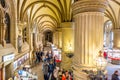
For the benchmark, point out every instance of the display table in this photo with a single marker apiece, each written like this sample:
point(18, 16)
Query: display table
point(115, 61)
point(24, 75)
point(114, 56)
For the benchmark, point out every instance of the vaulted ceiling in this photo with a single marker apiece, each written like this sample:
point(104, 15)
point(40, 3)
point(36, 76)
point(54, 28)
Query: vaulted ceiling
point(113, 13)
point(48, 14)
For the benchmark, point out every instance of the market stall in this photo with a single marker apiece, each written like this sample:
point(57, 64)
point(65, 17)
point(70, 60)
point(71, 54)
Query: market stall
point(25, 75)
point(114, 56)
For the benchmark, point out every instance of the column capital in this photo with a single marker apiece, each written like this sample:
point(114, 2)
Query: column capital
point(89, 6)
point(67, 25)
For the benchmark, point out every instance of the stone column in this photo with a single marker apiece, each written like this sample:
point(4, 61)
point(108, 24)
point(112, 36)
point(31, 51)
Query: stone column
point(35, 41)
point(55, 38)
point(40, 37)
point(59, 38)
point(30, 42)
point(116, 38)
point(89, 21)
point(43, 39)
point(40, 41)
point(67, 42)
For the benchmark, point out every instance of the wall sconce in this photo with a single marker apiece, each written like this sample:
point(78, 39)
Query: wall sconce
point(69, 53)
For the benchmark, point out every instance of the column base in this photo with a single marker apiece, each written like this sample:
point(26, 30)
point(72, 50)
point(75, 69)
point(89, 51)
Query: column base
point(79, 75)
point(80, 71)
point(66, 62)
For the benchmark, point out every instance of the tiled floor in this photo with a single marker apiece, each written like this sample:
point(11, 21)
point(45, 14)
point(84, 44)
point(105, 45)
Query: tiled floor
point(38, 70)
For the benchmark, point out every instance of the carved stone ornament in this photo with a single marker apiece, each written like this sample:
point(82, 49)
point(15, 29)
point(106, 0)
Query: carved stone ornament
point(89, 6)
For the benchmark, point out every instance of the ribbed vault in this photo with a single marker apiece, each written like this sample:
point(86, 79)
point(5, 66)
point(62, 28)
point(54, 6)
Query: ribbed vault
point(45, 12)
point(53, 12)
point(113, 13)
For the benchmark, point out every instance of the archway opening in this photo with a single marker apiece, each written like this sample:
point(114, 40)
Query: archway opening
point(108, 34)
point(49, 36)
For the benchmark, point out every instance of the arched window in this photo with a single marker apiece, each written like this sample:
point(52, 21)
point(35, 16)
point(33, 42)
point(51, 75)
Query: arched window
point(7, 22)
point(108, 34)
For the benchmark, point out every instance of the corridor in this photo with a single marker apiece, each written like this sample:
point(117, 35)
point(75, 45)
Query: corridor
point(38, 70)
point(77, 36)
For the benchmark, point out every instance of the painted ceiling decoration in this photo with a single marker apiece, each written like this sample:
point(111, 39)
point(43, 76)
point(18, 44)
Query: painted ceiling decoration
point(53, 12)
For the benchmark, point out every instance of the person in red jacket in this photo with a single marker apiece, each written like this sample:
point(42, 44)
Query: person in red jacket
point(63, 76)
point(105, 55)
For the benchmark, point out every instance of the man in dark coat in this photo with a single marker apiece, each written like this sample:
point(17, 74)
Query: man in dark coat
point(115, 76)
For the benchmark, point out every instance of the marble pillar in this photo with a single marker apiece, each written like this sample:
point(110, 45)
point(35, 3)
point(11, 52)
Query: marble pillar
point(89, 22)
point(116, 41)
point(40, 37)
point(30, 41)
point(67, 43)
point(59, 38)
point(55, 38)
point(35, 41)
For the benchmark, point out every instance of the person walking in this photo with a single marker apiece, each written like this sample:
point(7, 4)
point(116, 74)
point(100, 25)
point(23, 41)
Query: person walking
point(115, 75)
point(45, 70)
point(50, 70)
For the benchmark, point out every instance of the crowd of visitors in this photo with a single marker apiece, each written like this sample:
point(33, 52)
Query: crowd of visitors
point(50, 70)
